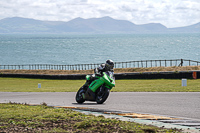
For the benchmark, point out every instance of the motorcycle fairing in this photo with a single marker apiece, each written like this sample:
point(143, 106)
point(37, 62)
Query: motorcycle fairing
point(96, 84)
point(90, 95)
point(104, 79)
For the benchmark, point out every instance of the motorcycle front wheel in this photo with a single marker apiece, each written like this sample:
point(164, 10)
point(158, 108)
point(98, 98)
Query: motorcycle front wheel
point(79, 96)
point(102, 98)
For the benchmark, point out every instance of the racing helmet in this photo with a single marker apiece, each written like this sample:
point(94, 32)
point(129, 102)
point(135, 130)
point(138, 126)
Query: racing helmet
point(109, 65)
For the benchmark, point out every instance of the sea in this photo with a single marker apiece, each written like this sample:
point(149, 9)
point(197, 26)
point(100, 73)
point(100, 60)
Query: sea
point(70, 49)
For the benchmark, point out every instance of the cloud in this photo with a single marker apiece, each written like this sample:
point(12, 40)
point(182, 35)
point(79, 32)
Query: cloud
point(167, 12)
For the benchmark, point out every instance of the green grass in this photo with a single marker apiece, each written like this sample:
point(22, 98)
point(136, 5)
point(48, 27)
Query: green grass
point(157, 85)
point(31, 85)
point(24, 118)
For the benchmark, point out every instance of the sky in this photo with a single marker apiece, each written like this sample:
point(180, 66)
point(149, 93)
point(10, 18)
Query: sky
point(170, 13)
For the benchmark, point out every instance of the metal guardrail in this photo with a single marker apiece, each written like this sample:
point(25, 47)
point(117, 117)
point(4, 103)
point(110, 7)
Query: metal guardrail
point(128, 64)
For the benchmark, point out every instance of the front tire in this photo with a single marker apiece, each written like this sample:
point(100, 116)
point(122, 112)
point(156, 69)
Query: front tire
point(79, 96)
point(102, 98)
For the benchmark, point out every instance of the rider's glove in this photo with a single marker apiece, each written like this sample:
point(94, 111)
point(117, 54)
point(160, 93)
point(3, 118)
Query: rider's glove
point(98, 74)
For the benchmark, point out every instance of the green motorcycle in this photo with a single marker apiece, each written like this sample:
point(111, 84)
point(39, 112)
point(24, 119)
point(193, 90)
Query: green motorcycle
point(98, 90)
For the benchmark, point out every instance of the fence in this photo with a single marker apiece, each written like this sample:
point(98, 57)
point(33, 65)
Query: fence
point(129, 64)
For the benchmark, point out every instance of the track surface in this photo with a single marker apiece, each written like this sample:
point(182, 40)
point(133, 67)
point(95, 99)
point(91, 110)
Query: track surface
point(177, 104)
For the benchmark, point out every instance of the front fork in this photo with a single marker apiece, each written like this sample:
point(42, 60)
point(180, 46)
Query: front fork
point(100, 91)
point(83, 91)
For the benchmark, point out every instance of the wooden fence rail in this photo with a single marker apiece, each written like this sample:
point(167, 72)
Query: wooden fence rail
point(128, 64)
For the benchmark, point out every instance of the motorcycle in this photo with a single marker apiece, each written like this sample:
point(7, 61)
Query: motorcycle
point(98, 90)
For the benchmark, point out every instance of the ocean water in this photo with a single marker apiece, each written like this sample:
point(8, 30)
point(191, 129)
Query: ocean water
point(69, 49)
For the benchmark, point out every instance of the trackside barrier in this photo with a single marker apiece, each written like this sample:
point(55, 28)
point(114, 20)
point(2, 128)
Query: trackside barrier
point(144, 75)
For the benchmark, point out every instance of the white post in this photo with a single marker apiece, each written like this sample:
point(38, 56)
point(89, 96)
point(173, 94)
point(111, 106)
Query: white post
point(184, 82)
point(39, 85)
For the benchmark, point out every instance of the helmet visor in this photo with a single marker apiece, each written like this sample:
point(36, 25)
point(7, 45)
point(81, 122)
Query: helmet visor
point(109, 67)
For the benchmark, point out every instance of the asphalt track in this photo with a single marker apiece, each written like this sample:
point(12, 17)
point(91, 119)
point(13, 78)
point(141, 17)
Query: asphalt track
point(176, 104)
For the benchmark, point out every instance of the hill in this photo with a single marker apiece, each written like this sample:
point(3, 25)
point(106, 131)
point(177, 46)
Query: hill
point(92, 25)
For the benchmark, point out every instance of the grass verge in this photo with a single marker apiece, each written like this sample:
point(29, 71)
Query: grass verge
point(24, 118)
point(156, 85)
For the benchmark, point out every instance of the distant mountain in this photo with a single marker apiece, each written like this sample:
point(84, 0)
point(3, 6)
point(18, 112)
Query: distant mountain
point(92, 25)
point(154, 27)
point(100, 25)
point(26, 25)
point(195, 28)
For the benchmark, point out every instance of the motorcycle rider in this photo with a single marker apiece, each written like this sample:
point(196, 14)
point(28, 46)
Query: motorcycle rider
point(108, 66)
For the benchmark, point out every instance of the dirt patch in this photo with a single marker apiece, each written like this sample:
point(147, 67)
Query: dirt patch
point(116, 70)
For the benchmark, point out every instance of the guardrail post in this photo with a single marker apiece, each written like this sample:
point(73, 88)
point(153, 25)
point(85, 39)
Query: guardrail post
point(181, 62)
point(146, 63)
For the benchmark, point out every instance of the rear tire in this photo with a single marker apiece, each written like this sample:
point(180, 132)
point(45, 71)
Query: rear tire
point(102, 98)
point(79, 96)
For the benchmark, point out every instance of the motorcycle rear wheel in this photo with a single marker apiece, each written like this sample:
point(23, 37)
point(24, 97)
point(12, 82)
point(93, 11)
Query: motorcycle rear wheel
point(102, 98)
point(79, 96)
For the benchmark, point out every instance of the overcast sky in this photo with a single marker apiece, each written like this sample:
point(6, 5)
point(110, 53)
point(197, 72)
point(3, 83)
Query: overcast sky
point(171, 13)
